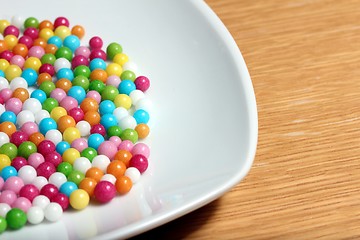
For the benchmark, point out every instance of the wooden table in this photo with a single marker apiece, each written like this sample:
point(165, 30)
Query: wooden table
point(304, 60)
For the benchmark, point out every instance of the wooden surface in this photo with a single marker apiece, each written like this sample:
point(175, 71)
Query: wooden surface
point(304, 60)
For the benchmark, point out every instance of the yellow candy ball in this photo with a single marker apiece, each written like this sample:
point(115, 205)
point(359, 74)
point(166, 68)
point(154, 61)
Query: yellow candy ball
point(32, 62)
point(62, 32)
point(12, 72)
point(3, 24)
point(11, 41)
point(4, 64)
point(70, 155)
point(123, 100)
point(70, 134)
point(79, 199)
point(46, 33)
point(57, 113)
point(120, 58)
point(4, 161)
point(114, 69)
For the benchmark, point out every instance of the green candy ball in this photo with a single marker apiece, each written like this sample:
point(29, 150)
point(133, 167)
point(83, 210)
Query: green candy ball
point(47, 87)
point(89, 153)
point(26, 149)
point(64, 52)
point(31, 22)
point(109, 93)
point(16, 218)
point(81, 81)
point(48, 58)
point(9, 149)
point(82, 71)
point(128, 75)
point(97, 85)
point(113, 49)
point(65, 168)
point(129, 134)
point(76, 177)
point(114, 131)
point(49, 104)
point(3, 224)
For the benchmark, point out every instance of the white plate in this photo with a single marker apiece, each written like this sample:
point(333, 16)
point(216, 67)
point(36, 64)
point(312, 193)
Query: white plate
point(204, 131)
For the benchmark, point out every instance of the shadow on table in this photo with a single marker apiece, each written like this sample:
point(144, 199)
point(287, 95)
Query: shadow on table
point(183, 226)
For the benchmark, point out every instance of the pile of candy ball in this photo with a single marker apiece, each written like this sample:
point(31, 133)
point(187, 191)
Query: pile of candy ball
point(72, 118)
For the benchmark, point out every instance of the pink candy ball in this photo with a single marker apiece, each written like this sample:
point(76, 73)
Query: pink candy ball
point(14, 184)
point(22, 203)
point(108, 148)
point(29, 191)
point(113, 81)
point(79, 60)
point(5, 94)
point(77, 114)
point(8, 197)
point(68, 103)
point(17, 60)
point(95, 95)
point(14, 105)
point(142, 83)
point(45, 169)
point(29, 128)
point(36, 51)
point(83, 51)
point(35, 159)
point(2, 183)
point(141, 148)
point(58, 94)
point(104, 191)
point(79, 144)
point(116, 140)
point(140, 162)
point(126, 145)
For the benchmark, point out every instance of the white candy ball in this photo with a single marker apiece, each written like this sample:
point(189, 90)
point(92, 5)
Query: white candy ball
point(18, 82)
point(24, 116)
point(82, 164)
point(2, 109)
point(144, 104)
point(54, 135)
point(101, 161)
point(39, 182)
point(130, 65)
point(84, 128)
point(120, 113)
point(4, 208)
point(53, 212)
point(18, 21)
point(57, 178)
point(108, 177)
point(33, 105)
point(136, 95)
point(133, 173)
point(4, 83)
point(41, 201)
point(35, 215)
point(61, 63)
point(40, 115)
point(27, 173)
point(4, 138)
point(127, 122)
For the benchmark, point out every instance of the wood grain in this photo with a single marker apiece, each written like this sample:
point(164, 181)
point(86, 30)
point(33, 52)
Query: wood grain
point(304, 60)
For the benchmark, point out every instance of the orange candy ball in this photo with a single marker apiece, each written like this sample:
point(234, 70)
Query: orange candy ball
point(40, 42)
point(116, 168)
point(78, 31)
point(92, 117)
point(65, 122)
point(20, 49)
point(64, 84)
point(3, 46)
point(123, 156)
point(142, 130)
point(43, 77)
point(88, 184)
point(123, 185)
point(99, 74)
point(50, 48)
point(21, 93)
point(46, 24)
point(94, 173)
point(8, 127)
point(89, 104)
point(36, 138)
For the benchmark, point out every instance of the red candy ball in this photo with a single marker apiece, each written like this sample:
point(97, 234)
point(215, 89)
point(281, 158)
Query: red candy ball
point(46, 147)
point(142, 83)
point(62, 200)
point(49, 190)
point(45, 169)
point(79, 60)
point(18, 138)
point(77, 114)
point(26, 40)
point(29, 191)
point(31, 32)
point(98, 128)
point(47, 68)
point(97, 53)
point(19, 162)
point(140, 162)
point(104, 191)
point(7, 55)
point(96, 43)
point(11, 30)
point(61, 21)
point(54, 158)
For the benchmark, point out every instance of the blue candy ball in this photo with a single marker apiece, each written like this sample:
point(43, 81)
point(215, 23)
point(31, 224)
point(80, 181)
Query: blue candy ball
point(108, 120)
point(39, 95)
point(72, 42)
point(78, 93)
point(106, 107)
point(8, 116)
point(126, 87)
point(7, 172)
point(67, 188)
point(47, 124)
point(56, 41)
point(62, 146)
point(141, 116)
point(95, 140)
point(30, 75)
point(97, 63)
point(2, 74)
point(65, 73)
